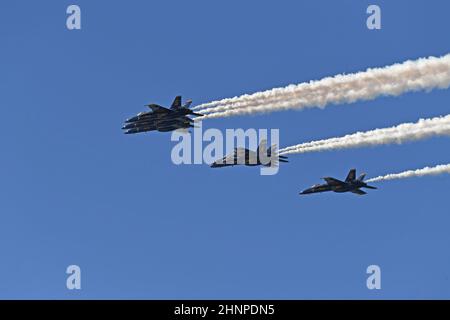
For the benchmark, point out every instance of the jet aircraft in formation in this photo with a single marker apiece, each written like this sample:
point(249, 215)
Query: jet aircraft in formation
point(162, 119)
point(242, 156)
point(351, 184)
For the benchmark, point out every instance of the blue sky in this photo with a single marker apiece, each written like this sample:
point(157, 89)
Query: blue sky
point(76, 190)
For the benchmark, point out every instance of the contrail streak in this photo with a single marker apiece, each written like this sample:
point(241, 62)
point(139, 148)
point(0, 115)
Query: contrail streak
point(422, 129)
point(440, 169)
point(412, 75)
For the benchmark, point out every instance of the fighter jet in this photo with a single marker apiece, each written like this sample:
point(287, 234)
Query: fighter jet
point(262, 156)
point(161, 118)
point(351, 184)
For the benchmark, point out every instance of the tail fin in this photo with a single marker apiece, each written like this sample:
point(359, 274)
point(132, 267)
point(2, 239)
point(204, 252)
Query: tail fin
point(361, 177)
point(273, 150)
point(262, 147)
point(351, 175)
point(176, 103)
point(187, 103)
point(273, 153)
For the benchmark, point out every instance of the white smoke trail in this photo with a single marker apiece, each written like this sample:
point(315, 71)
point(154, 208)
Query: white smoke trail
point(440, 169)
point(421, 74)
point(422, 129)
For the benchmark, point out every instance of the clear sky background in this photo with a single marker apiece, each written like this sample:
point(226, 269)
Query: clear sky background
point(75, 190)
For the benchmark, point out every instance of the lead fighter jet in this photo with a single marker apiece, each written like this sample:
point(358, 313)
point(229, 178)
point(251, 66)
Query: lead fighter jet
point(351, 184)
point(262, 156)
point(162, 119)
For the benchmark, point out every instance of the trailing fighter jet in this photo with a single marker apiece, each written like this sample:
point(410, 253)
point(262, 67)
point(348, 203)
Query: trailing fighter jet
point(262, 156)
point(351, 184)
point(162, 119)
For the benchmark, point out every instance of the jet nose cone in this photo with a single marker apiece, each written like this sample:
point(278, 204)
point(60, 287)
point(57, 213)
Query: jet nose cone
point(127, 126)
point(131, 119)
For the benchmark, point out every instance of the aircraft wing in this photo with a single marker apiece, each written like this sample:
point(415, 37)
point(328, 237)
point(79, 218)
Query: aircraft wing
point(333, 180)
point(359, 192)
point(186, 119)
point(227, 160)
point(230, 159)
point(157, 108)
